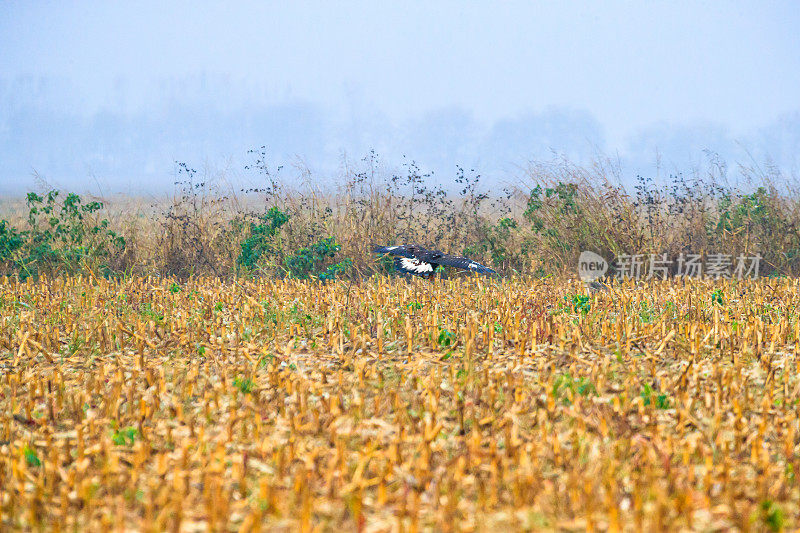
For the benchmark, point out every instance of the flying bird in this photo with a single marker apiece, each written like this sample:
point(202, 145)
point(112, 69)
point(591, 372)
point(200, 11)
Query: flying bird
point(416, 260)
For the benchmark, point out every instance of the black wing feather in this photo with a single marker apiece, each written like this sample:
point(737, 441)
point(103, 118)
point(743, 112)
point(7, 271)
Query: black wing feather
point(464, 264)
point(400, 250)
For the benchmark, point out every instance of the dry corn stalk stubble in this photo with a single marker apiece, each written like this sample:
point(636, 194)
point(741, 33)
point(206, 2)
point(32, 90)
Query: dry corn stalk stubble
point(385, 405)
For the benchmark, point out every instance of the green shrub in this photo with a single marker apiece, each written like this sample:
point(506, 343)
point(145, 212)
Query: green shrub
point(495, 241)
point(749, 212)
point(555, 218)
point(10, 241)
point(61, 237)
point(262, 237)
point(317, 261)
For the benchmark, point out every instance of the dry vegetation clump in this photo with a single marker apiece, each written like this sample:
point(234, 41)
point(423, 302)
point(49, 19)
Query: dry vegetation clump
point(386, 405)
point(299, 229)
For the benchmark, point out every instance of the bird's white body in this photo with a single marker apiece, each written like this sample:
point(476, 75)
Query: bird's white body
point(416, 266)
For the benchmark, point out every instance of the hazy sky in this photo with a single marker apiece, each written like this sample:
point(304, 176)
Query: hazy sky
point(121, 91)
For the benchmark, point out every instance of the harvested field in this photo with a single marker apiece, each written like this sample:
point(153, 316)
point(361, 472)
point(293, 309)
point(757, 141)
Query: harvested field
point(389, 405)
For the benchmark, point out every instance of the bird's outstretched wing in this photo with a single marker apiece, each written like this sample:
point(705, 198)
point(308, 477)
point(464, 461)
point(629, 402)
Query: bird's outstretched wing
point(400, 249)
point(464, 264)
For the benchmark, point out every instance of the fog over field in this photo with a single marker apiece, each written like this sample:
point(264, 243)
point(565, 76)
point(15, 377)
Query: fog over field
point(107, 98)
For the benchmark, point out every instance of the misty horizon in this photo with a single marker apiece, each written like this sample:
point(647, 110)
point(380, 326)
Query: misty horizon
point(111, 97)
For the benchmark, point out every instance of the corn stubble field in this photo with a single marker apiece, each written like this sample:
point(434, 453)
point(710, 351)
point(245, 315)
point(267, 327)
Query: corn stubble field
point(389, 405)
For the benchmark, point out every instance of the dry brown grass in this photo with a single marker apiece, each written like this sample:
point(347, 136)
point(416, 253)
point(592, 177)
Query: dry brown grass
point(201, 227)
point(384, 405)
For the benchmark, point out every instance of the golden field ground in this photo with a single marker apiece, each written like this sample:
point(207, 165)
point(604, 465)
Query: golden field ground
point(388, 405)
